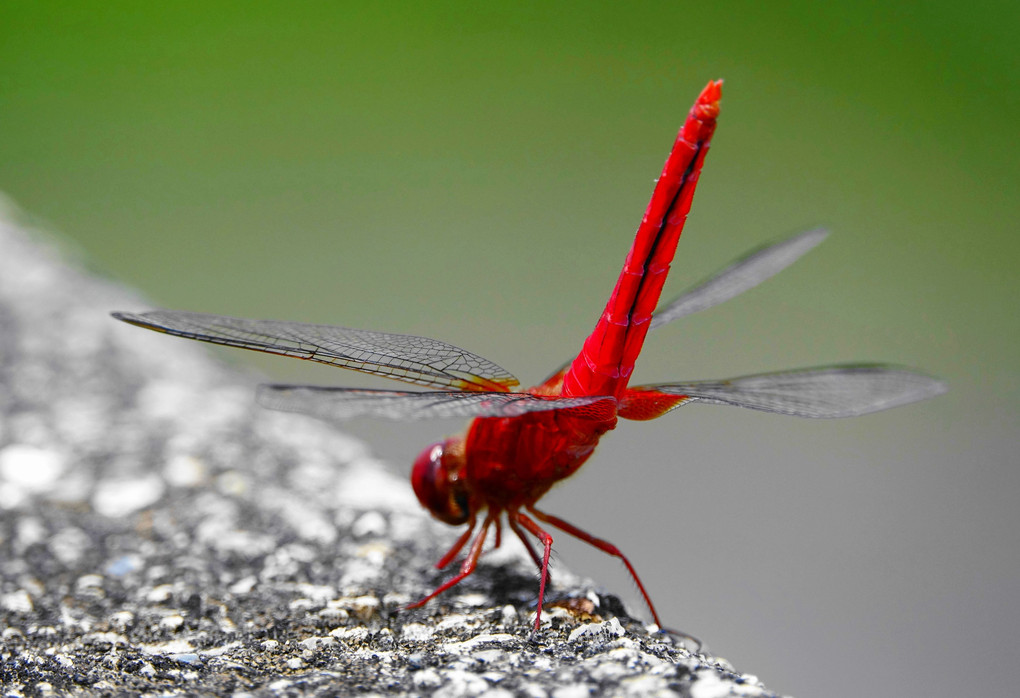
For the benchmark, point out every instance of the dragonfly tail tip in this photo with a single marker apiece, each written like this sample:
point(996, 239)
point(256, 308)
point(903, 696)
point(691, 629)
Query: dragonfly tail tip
point(707, 106)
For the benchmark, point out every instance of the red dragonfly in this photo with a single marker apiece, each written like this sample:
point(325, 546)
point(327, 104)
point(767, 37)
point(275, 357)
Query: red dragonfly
point(521, 443)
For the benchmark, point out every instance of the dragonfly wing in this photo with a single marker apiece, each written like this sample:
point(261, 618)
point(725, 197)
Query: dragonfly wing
point(825, 392)
point(345, 403)
point(743, 275)
point(417, 360)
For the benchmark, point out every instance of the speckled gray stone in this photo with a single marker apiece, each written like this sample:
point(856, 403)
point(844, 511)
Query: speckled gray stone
point(162, 535)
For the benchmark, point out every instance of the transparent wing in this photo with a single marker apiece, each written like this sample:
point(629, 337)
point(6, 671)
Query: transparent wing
point(346, 403)
point(743, 275)
point(418, 360)
point(825, 392)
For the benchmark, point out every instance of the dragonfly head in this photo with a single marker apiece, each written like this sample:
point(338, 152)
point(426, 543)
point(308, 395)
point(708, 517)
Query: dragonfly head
point(438, 482)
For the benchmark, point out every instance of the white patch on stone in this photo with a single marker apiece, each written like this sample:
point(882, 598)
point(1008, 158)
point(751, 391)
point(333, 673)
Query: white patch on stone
point(644, 686)
point(122, 619)
point(708, 684)
point(371, 523)
point(490, 656)
point(186, 658)
point(496, 692)
point(33, 469)
point(232, 483)
point(172, 623)
point(598, 631)
point(69, 544)
point(184, 471)
point(243, 586)
point(166, 648)
point(105, 639)
point(416, 632)
point(576, 691)
point(88, 581)
point(17, 602)
point(12, 496)
point(320, 592)
point(464, 683)
point(116, 498)
point(474, 599)
point(351, 635)
point(476, 641)
point(160, 593)
point(313, 643)
point(427, 678)
point(30, 531)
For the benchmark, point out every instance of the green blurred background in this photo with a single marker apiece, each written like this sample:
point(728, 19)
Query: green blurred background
point(475, 173)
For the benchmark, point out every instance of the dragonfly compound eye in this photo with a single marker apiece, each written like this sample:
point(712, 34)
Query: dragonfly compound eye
point(438, 487)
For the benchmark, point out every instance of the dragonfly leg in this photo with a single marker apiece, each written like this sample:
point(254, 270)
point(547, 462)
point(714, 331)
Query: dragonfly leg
point(535, 530)
point(455, 550)
point(527, 544)
point(604, 546)
point(466, 567)
point(516, 527)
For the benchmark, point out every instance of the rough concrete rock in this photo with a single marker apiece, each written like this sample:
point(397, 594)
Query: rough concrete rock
point(161, 534)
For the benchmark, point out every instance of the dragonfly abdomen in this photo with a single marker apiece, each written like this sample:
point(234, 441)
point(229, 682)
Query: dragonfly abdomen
point(609, 353)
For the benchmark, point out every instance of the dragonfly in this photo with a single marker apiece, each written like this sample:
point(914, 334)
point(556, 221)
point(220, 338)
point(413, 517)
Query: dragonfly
point(522, 442)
